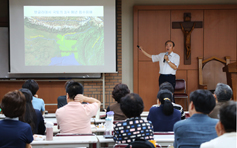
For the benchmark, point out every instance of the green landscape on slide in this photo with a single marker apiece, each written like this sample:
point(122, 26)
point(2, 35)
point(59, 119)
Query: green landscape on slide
point(64, 41)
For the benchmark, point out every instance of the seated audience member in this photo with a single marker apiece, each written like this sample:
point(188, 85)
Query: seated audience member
point(14, 133)
point(33, 86)
point(199, 128)
point(75, 117)
point(222, 93)
point(62, 100)
point(165, 116)
point(169, 86)
point(32, 116)
point(134, 127)
point(225, 128)
point(120, 90)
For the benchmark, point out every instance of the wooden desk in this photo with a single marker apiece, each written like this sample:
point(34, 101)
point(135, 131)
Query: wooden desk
point(66, 141)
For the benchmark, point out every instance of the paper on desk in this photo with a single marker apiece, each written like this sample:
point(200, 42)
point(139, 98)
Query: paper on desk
point(39, 137)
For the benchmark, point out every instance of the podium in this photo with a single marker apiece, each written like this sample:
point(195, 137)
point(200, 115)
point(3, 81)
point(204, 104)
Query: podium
point(231, 73)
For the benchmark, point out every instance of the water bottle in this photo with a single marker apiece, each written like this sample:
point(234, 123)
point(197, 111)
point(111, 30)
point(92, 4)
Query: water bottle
point(49, 131)
point(108, 126)
point(110, 115)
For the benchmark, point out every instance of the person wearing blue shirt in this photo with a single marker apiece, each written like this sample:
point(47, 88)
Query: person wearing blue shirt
point(14, 133)
point(37, 103)
point(199, 128)
point(165, 116)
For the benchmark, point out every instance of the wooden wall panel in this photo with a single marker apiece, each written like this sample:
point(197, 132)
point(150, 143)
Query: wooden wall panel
point(154, 31)
point(181, 74)
point(218, 37)
point(148, 83)
point(220, 33)
point(192, 81)
point(196, 37)
point(7, 86)
point(48, 91)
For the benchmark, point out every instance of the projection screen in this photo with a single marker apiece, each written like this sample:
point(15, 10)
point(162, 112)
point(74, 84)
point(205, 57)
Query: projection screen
point(62, 36)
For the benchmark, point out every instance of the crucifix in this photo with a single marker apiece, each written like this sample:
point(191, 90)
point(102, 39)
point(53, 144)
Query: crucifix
point(187, 27)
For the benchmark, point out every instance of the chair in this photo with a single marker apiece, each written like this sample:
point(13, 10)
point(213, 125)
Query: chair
point(210, 72)
point(158, 145)
point(120, 145)
point(163, 133)
point(180, 90)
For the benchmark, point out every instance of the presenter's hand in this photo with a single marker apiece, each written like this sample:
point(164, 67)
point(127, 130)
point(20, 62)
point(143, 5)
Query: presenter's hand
point(166, 58)
point(141, 48)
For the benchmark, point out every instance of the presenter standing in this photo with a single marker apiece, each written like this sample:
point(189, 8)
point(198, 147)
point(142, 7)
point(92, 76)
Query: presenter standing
point(168, 61)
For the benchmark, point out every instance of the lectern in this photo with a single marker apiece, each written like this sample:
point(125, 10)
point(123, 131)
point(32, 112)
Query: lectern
point(231, 73)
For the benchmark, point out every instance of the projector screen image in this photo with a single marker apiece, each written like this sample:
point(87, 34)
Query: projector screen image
point(64, 35)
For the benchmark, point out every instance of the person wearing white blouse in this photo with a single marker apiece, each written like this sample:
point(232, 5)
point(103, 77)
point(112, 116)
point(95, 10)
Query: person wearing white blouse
point(225, 128)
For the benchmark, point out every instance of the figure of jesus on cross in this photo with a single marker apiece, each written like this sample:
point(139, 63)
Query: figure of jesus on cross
point(187, 27)
point(187, 37)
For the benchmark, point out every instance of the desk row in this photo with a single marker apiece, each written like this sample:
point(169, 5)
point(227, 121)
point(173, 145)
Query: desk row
point(92, 140)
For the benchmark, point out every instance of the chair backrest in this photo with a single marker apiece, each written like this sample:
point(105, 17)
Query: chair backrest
point(180, 85)
point(211, 73)
point(120, 145)
point(158, 145)
point(163, 133)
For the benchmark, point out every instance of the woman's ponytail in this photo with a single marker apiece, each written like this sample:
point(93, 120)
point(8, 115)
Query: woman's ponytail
point(165, 98)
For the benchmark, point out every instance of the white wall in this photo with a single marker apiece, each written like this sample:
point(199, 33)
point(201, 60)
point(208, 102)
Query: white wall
point(127, 29)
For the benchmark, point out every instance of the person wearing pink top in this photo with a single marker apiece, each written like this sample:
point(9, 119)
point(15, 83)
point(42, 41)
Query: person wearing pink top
point(75, 117)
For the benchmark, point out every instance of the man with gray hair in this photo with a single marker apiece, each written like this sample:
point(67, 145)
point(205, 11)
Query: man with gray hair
point(222, 93)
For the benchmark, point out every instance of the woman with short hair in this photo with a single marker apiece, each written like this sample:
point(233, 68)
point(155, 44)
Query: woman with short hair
point(119, 91)
point(14, 133)
point(134, 127)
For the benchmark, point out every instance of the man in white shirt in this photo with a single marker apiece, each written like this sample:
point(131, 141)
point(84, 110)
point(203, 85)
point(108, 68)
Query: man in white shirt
point(225, 128)
point(168, 61)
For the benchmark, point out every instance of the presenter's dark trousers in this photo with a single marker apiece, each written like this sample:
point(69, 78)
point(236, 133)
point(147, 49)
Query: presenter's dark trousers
point(167, 78)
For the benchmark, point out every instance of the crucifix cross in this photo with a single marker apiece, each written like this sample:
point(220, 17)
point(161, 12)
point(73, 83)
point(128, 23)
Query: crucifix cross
point(187, 27)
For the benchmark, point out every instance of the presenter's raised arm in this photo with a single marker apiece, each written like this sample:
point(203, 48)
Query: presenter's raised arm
point(145, 53)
